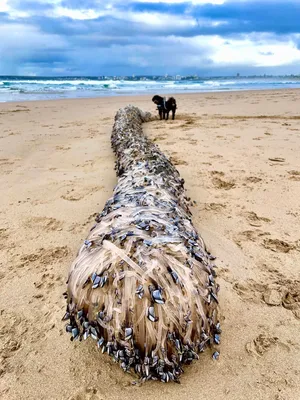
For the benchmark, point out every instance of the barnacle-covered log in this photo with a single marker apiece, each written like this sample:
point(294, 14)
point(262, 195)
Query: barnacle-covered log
point(143, 285)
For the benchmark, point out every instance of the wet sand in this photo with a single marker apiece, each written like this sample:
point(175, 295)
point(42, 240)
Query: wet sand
point(239, 154)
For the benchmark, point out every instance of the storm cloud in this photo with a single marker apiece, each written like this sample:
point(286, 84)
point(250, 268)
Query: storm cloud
point(72, 37)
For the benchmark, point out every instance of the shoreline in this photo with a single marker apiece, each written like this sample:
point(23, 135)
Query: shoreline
point(237, 153)
point(150, 94)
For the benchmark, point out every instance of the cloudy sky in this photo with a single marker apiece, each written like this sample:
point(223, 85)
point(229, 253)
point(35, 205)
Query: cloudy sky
point(104, 37)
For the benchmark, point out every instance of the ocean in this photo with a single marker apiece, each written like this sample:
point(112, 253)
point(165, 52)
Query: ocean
point(33, 88)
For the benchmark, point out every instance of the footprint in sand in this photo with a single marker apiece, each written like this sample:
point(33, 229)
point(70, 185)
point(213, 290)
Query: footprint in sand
point(186, 127)
point(216, 207)
point(14, 111)
point(89, 393)
point(294, 175)
point(249, 236)
point(263, 343)
point(291, 298)
point(80, 193)
point(185, 139)
point(177, 161)
point(64, 148)
point(14, 330)
point(249, 290)
point(253, 179)
point(254, 220)
point(95, 133)
point(48, 280)
point(3, 234)
point(4, 239)
point(216, 156)
point(170, 143)
point(79, 228)
point(160, 137)
point(220, 183)
point(5, 164)
point(186, 117)
point(279, 291)
point(278, 246)
point(44, 256)
point(44, 223)
point(217, 173)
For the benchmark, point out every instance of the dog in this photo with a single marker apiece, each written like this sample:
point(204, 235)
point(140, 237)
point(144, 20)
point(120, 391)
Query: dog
point(165, 106)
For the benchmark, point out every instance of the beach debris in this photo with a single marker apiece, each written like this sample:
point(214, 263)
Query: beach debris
point(143, 285)
point(277, 159)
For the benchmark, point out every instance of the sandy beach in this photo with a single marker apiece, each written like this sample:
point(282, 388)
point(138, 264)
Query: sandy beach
point(239, 153)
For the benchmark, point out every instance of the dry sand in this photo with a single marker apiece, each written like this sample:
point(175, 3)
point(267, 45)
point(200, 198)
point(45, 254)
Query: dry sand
point(239, 154)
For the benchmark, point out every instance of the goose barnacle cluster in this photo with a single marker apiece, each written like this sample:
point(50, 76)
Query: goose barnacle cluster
point(143, 284)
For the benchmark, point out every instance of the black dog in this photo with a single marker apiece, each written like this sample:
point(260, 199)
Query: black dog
point(165, 106)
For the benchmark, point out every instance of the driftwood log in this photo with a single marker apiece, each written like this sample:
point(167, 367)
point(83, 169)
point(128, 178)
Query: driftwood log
point(142, 284)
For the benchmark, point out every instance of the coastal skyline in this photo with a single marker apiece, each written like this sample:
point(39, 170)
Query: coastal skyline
point(207, 38)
